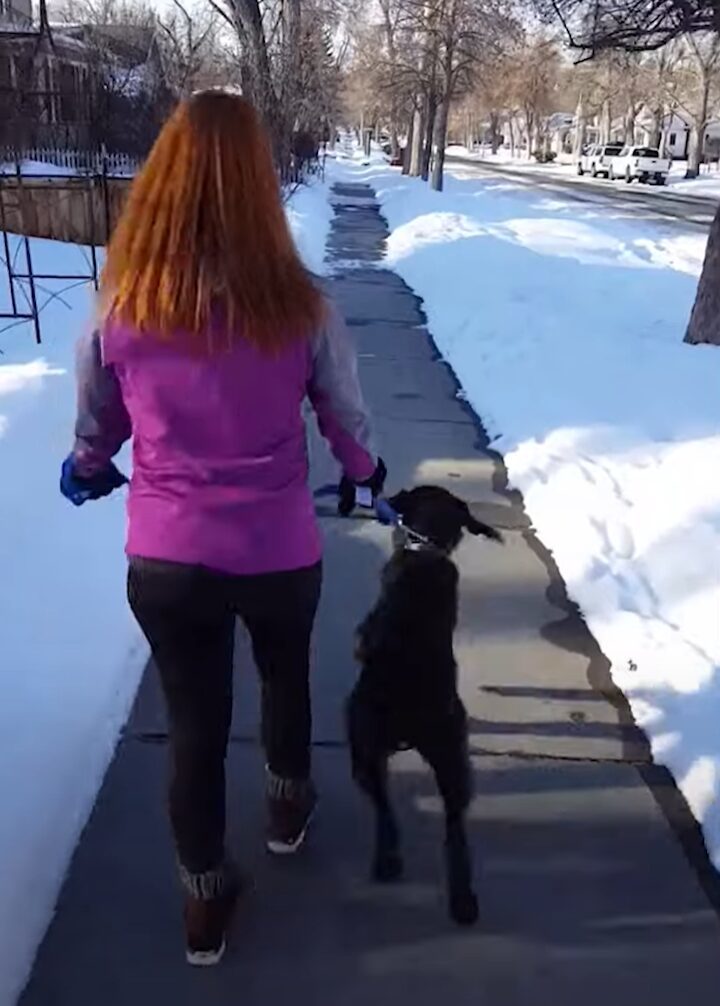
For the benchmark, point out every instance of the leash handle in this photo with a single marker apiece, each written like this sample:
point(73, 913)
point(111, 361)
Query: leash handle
point(383, 511)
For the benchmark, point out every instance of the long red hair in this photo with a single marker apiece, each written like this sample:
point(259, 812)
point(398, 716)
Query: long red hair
point(203, 246)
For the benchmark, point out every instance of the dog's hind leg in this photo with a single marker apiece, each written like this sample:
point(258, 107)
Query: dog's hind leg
point(451, 766)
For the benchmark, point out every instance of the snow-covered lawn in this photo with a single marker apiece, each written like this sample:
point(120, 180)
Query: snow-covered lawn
point(706, 185)
point(564, 326)
point(71, 655)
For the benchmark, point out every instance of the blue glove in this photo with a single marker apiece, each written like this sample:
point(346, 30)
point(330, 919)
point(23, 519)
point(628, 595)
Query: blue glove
point(78, 490)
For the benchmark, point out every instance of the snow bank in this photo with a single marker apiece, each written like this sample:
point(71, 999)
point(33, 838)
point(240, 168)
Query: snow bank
point(707, 184)
point(310, 214)
point(565, 327)
point(71, 654)
point(43, 168)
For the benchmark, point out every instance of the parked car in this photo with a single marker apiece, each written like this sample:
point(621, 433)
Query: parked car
point(596, 159)
point(643, 163)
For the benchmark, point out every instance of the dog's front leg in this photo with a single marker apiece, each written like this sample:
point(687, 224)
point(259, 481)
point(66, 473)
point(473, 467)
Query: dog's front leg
point(387, 862)
point(371, 777)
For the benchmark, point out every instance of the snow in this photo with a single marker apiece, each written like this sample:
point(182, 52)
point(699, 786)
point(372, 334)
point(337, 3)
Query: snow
point(72, 655)
point(706, 186)
point(564, 325)
point(309, 214)
point(118, 166)
point(43, 168)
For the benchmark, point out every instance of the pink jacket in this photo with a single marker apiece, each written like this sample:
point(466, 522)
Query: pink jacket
point(220, 467)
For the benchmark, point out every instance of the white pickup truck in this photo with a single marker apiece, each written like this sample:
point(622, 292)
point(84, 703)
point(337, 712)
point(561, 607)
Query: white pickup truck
point(643, 163)
point(595, 159)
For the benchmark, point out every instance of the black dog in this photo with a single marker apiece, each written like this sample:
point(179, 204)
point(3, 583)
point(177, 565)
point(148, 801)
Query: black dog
point(406, 695)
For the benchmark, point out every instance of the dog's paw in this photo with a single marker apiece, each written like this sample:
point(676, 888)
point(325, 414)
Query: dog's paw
point(464, 908)
point(387, 868)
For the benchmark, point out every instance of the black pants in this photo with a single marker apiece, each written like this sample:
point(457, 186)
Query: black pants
point(188, 615)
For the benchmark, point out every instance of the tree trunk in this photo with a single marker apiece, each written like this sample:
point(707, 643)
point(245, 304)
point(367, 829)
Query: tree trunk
point(469, 132)
point(394, 141)
point(430, 114)
point(440, 140)
point(697, 135)
point(580, 128)
point(606, 122)
point(511, 134)
point(655, 132)
point(629, 126)
point(495, 132)
point(407, 152)
point(695, 154)
point(416, 146)
point(262, 91)
point(704, 325)
point(530, 130)
point(392, 56)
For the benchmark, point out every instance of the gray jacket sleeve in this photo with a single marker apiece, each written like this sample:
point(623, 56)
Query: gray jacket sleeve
point(334, 391)
point(102, 425)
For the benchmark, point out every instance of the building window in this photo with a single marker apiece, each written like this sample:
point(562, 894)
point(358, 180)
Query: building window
point(673, 139)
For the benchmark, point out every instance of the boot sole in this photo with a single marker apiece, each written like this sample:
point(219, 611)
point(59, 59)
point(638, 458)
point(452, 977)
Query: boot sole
point(205, 958)
point(289, 848)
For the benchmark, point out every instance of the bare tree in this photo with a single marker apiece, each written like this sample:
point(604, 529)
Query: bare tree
point(391, 18)
point(274, 43)
point(633, 91)
point(694, 88)
point(534, 83)
point(193, 56)
point(661, 69)
point(493, 93)
point(632, 25)
point(448, 42)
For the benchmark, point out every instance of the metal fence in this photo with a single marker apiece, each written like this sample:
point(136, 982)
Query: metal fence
point(27, 293)
point(75, 161)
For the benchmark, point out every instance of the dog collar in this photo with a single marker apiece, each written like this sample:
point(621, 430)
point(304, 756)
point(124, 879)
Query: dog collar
point(413, 541)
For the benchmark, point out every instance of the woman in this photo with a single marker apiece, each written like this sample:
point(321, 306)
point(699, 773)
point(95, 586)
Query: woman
point(212, 336)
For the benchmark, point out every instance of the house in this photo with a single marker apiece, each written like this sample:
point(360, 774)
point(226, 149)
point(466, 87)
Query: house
point(560, 131)
point(79, 86)
point(675, 134)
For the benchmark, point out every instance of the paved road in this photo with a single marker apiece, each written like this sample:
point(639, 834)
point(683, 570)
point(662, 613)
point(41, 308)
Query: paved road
point(586, 893)
point(646, 202)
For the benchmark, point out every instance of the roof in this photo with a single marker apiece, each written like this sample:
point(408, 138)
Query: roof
point(130, 43)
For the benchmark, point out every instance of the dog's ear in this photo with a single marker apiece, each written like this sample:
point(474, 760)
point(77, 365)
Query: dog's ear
point(399, 501)
point(475, 526)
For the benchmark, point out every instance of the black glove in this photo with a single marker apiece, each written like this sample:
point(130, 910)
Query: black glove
point(347, 495)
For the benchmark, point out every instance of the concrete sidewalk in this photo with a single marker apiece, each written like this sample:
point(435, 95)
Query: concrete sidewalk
point(586, 893)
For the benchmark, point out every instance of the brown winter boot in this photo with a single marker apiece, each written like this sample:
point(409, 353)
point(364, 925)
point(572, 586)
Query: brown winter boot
point(207, 918)
point(291, 804)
